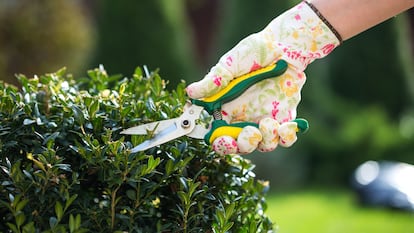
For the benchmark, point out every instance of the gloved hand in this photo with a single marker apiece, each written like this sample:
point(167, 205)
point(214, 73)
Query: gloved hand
point(299, 36)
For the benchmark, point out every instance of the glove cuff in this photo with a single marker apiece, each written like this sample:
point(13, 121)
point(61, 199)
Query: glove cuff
point(302, 34)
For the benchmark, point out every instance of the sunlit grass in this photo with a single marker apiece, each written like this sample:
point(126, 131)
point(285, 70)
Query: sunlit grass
point(333, 212)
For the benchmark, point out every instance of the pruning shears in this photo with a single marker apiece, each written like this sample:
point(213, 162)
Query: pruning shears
point(190, 124)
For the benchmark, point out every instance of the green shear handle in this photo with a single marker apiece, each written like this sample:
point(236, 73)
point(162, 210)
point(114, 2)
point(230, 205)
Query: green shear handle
point(240, 84)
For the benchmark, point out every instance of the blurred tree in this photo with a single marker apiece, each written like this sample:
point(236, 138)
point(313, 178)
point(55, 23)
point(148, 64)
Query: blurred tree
point(153, 33)
point(38, 36)
point(204, 18)
point(242, 18)
point(183, 37)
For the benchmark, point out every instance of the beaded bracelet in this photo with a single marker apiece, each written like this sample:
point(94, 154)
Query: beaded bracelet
point(318, 13)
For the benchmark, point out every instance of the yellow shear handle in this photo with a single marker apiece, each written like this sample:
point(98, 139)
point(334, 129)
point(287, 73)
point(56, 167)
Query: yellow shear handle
point(222, 128)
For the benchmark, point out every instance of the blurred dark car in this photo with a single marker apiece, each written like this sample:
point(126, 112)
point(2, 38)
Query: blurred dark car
point(385, 184)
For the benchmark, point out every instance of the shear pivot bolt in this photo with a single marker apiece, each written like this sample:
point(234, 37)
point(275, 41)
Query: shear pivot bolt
point(185, 123)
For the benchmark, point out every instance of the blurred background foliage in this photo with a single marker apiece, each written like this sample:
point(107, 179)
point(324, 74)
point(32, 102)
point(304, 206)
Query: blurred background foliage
point(38, 36)
point(359, 100)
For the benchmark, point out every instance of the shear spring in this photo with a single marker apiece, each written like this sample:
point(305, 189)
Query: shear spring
point(217, 115)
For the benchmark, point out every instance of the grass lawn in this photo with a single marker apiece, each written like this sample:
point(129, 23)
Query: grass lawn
point(321, 211)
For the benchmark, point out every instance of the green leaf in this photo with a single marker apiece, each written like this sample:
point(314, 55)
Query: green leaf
point(51, 137)
point(153, 163)
point(29, 228)
point(138, 72)
point(6, 183)
point(58, 210)
point(70, 201)
point(11, 198)
point(78, 221)
point(183, 197)
point(151, 105)
point(220, 217)
point(61, 72)
point(20, 218)
point(228, 226)
point(53, 222)
point(93, 108)
point(192, 187)
point(28, 121)
point(63, 166)
point(21, 204)
point(253, 225)
point(184, 184)
point(169, 167)
point(180, 210)
point(72, 224)
point(5, 169)
point(13, 227)
point(78, 114)
point(122, 89)
point(125, 111)
point(131, 194)
point(229, 210)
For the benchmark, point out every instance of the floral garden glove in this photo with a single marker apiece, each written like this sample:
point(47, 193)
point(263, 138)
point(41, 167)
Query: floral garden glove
point(299, 36)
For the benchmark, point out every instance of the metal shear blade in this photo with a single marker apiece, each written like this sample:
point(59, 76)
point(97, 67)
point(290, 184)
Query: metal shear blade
point(160, 138)
point(168, 130)
point(153, 127)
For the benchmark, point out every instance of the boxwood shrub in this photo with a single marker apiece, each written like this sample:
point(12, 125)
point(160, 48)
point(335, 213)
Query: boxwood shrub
point(65, 167)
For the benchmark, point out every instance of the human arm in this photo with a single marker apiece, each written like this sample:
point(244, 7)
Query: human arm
point(352, 17)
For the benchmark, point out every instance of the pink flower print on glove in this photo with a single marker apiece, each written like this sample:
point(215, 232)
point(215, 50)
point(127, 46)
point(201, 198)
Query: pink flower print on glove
point(217, 81)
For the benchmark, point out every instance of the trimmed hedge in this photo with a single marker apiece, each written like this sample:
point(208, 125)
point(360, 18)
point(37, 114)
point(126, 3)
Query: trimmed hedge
point(65, 167)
